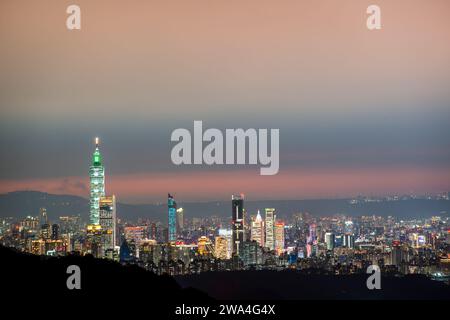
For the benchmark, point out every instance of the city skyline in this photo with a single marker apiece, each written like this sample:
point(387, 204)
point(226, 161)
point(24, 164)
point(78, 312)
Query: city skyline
point(220, 159)
point(244, 241)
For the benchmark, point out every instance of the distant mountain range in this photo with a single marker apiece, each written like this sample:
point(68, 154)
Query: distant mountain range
point(23, 203)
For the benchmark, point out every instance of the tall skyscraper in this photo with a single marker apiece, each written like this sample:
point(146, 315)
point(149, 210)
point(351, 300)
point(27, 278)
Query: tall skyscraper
point(237, 220)
point(180, 220)
point(97, 179)
point(257, 230)
point(270, 223)
point(329, 240)
point(279, 237)
point(311, 245)
point(172, 205)
point(43, 218)
point(107, 220)
point(228, 234)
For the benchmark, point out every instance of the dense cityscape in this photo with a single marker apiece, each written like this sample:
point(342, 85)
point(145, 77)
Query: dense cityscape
point(184, 244)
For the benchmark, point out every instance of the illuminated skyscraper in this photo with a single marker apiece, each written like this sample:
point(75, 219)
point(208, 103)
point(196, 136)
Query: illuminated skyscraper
point(221, 248)
point(94, 241)
point(180, 220)
point(279, 237)
point(107, 220)
point(329, 240)
point(97, 179)
point(237, 219)
point(270, 223)
point(172, 205)
point(311, 246)
point(43, 219)
point(228, 235)
point(204, 246)
point(257, 231)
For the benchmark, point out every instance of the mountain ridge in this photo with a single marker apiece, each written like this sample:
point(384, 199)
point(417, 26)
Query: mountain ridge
point(23, 203)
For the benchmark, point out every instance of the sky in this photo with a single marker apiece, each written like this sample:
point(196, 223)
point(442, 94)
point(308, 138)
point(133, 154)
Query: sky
point(359, 111)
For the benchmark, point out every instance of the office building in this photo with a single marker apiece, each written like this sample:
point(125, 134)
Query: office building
point(134, 235)
point(270, 225)
point(279, 237)
point(172, 218)
point(221, 248)
point(237, 220)
point(349, 241)
point(107, 220)
point(180, 221)
point(329, 240)
point(257, 230)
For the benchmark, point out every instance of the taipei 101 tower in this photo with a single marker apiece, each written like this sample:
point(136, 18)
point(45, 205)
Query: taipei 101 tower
point(97, 180)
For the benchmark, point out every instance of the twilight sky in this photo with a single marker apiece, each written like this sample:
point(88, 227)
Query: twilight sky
point(359, 111)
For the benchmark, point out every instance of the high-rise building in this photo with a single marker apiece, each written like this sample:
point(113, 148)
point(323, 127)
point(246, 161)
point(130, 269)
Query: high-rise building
point(338, 240)
point(311, 243)
point(134, 234)
point(172, 205)
point(221, 248)
point(107, 220)
point(257, 230)
point(180, 220)
point(349, 241)
point(237, 219)
point(228, 234)
point(270, 224)
point(55, 232)
point(204, 246)
point(251, 253)
point(153, 231)
point(279, 237)
point(94, 240)
point(397, 256)
point(43, 219)
point(312, 238)
point(69, 224)
point(46, 231)
point(30, 223)
point(97, 182)
point(329, 240)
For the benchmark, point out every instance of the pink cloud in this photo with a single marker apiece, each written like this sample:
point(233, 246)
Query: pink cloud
point(218, 185)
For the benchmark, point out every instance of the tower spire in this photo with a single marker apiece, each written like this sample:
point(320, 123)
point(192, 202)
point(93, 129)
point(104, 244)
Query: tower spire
point(97, 157)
